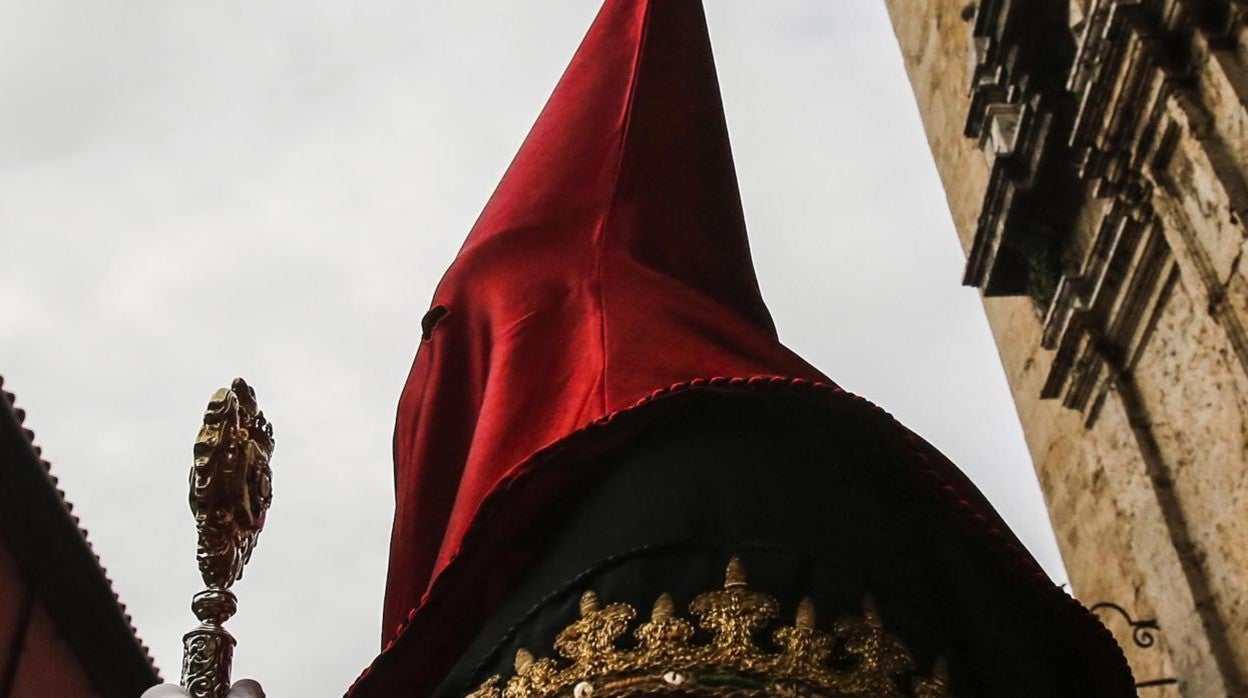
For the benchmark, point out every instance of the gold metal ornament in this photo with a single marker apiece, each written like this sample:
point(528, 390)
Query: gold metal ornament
point(858, 659)
point(231, 489)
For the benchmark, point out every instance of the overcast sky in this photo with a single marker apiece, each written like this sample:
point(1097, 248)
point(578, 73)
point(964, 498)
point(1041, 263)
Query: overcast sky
point(191, 191)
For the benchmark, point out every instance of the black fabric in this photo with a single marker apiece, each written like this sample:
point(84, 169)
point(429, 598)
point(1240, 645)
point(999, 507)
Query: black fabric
point(814, 509)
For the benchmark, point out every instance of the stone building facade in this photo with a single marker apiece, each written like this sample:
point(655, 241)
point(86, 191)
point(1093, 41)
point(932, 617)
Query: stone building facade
point(1095, 159)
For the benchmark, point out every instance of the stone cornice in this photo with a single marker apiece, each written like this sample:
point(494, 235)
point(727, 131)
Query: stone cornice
point(1134, 60)
point(1018, 113)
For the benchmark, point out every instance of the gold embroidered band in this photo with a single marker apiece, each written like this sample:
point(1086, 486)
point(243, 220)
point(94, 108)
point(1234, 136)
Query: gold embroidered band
point(857, 659)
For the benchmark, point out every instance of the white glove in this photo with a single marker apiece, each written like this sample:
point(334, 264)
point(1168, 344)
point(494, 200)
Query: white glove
point(247, 688)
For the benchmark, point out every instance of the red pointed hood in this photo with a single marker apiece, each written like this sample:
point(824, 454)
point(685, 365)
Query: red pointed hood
point(610, 265)
point(611, 261)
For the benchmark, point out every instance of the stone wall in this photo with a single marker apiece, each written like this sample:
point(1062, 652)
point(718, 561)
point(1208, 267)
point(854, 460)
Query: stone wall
point(1095, 158)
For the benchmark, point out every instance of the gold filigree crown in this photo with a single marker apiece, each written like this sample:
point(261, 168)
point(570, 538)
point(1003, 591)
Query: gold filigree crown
point(857, 659)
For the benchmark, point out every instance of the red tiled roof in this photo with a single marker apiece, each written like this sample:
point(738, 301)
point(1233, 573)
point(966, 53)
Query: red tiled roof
point(56, 558)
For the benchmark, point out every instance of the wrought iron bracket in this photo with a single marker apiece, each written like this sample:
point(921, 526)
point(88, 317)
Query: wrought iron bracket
point(1143, 634)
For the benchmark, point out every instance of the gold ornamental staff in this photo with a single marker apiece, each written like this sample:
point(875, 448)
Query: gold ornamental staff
point(231, 489)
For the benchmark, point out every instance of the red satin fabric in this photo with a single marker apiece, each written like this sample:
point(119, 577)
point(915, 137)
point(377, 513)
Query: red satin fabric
point(611, 261)
point(610, 265)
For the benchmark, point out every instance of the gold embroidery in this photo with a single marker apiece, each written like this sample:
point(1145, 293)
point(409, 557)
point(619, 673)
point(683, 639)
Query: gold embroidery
point(858, 659)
